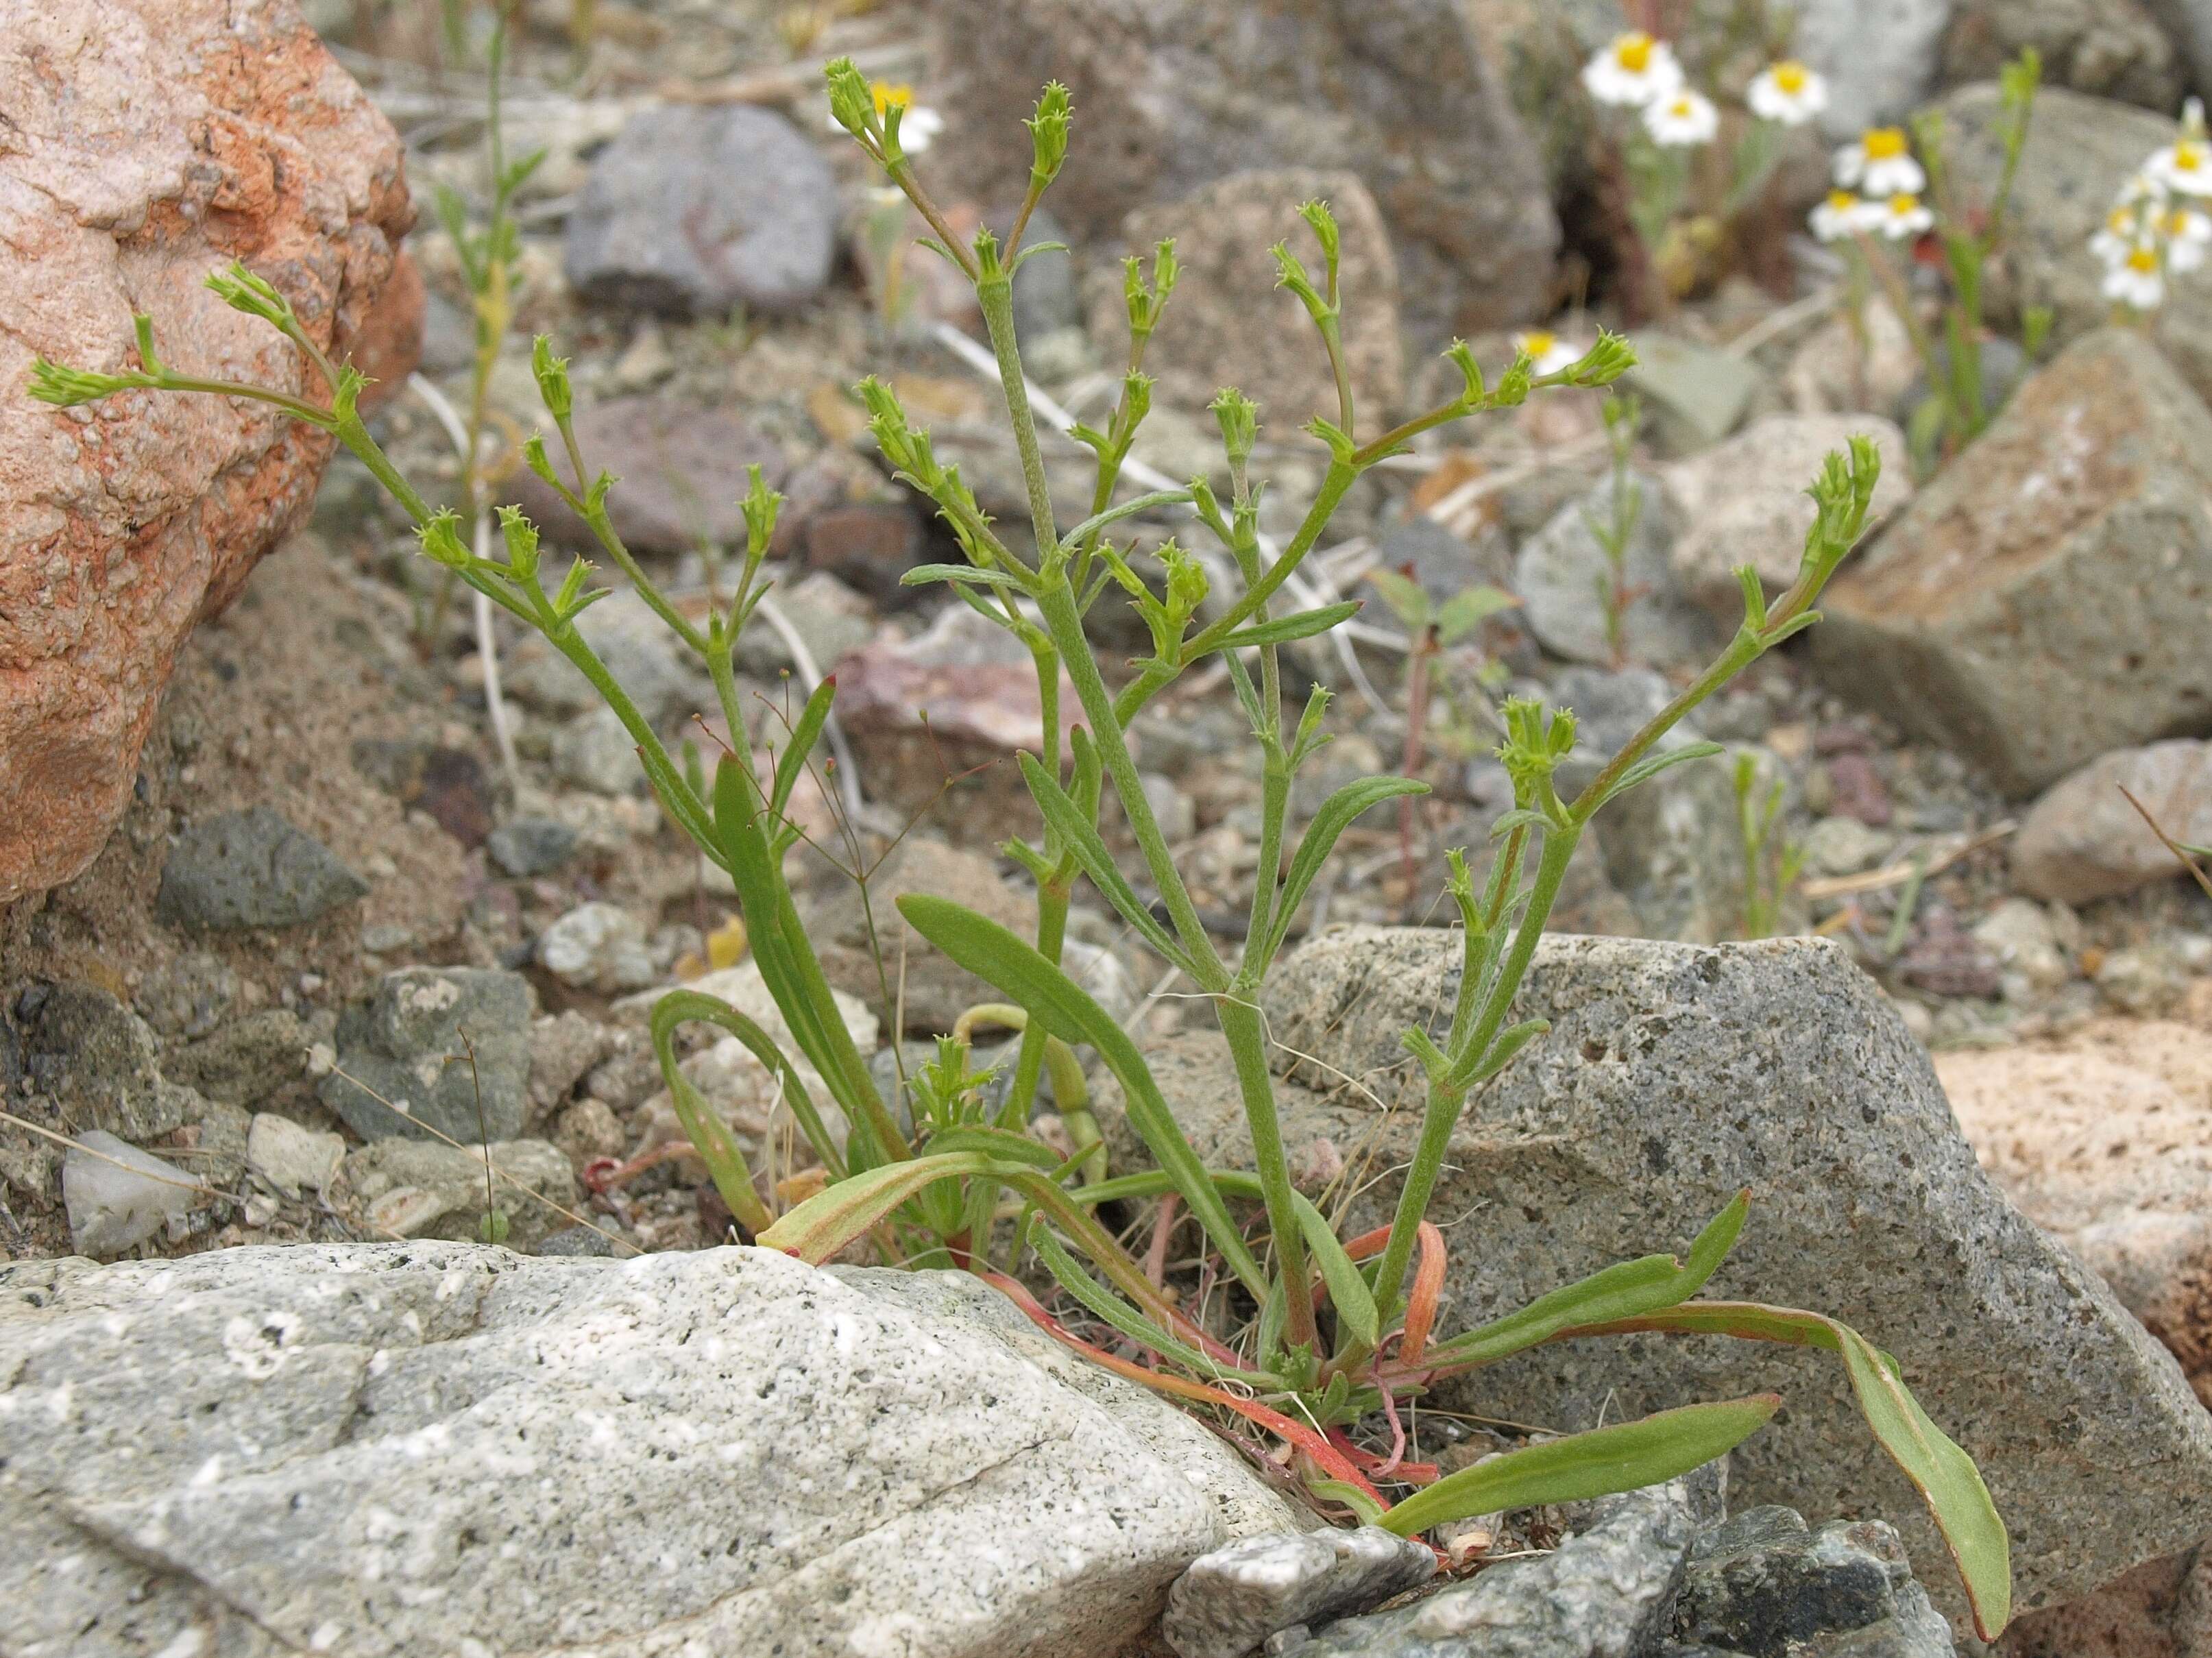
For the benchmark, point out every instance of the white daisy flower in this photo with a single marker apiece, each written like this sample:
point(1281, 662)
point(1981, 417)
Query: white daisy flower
point(1843, 216)
point(1631, 71)
point(919, 125)
point(2124, 226)
point(1788, 93)
point(2137, 282)
point(1682, 120)
point(1548, 352)
point(1881, 164)
point(1901, 216)
point(2187, 234)
point(2184, 167)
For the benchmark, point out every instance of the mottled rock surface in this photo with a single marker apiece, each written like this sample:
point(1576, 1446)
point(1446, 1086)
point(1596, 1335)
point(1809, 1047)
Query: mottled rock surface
point(1229, 1601)
point(2083, 841)
point(1671, 1077)
point(150, 142)
point(2049, 597)
point(1766, 1585)
point(250, 869)
point(401, 1449)
point(435, 1048)
point(1177, 93)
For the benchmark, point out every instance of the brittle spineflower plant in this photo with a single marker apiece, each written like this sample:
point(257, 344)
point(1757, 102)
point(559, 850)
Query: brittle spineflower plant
point(1310, 1333)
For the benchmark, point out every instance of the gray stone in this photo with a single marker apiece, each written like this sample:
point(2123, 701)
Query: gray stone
point(421, 1189)
point(531, 846)
point(251, 868)
point(1673, 1077)
point(1231, 325)
point(411, 1043)
point(2004, 364)
point(247, 1059)
point(435, 1448)
point(2190, 23)
point(563, 1048)
point(2108, 48)
point(1443, 561)
point(291, 1156)
point(596, 946)
point(2083, 841)
point(666, 681)
point(99, 1062)
point(671, 457)
point(1879, 56)
point(1745, 502)
point(118, 1196)
point(1698, 393)
point(1231, 1601)
point(596, 751)
point(584, 1240)
point(1766, 1586)
point(189, 996)
point(1184, 92)
point(698, 209)
point(2048, 597)
point(1607, 1592)
point(1558, 569)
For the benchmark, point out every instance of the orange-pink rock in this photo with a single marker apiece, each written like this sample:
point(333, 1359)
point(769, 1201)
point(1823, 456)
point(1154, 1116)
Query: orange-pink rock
point(145, 144)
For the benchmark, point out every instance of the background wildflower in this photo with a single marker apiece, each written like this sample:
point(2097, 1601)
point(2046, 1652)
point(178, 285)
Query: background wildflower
point(1632, 71)
point(1682, 120)
point(1881, 164)
point(1787, 93)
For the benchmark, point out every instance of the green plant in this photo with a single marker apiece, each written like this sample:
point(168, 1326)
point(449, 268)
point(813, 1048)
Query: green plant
point(1315, 1331)
point(1772, 860)
point(1878, 205)
point(1616, 531)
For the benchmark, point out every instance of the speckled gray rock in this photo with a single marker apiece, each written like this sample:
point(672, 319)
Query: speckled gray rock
point(531, 846)
point(1673, 1076)
point(698, 209)
point(98, 1061)
point(1766, 1586)
point(2049, 597)
point(420, 1189)
point(1183, 92)
point(1231, 1601)
point(251, 868)
point(1558, 569)
point(433, 1448)
point(1607, 1591)
point(1879, 57)
point(405, 1056)
point(2082, 840)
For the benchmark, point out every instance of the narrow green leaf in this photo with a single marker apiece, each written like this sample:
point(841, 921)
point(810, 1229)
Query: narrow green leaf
point(973, 575)
point(1650, 767)
point(680, 1007)
point(1468, 608)
point(1647, 1285)
point(996, 1143)
point(803, 736)
point(1320, 839)
point(1622, 1458)
point(1939, 1469)
point(818, 1228)
point(1282, 629)
point(1103, 1304)
point(1336, 1491)
point(1092, 856)
point(1057, 1002)
point(1347, 1285)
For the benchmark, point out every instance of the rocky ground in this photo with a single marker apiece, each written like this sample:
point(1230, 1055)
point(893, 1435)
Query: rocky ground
point(326, 895)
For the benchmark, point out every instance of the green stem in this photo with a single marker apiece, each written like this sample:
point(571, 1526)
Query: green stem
point(1246, 1033)
point(997, 297)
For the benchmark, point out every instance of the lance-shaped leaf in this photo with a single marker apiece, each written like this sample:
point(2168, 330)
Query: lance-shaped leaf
point(1057, 1002)
point(974, 576)
point(803, 736)
point(680, 1007)
point(832, 1218)
point(1649, 768)
point(1944, 1474)
point(1320, 839)
point(1348, 1291)
point(1648, 1284)
point(1096, 861)
point(1621, 1458)
point(1282, 629)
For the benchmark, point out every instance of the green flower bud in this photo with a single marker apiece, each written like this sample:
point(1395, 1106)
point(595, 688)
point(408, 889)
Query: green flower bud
point(1048, 136)
point(441, 540)
point(851, 101)
point(760, 508)
point(521, 538)
point(1240, 424)
point(552, 374)
point(241, 290)
point(65, 388)
point(1461, 357)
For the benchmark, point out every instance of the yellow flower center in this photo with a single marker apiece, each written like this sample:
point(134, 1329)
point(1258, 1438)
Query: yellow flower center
point(1902, 204)
point(2176, 222)
point(1682, 108)
point(1883, 143)
point(2119, 219)
point(1842, 200)
point(2187, 158)
point(1633, 52)
point(1791, 77)
point(891, 95)
point(2143, 260)
point(1538, 344)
